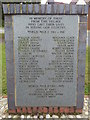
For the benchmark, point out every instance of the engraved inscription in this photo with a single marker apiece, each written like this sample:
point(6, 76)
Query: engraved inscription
point(46, 60)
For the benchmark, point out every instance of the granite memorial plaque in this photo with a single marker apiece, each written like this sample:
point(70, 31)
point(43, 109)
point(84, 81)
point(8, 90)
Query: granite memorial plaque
point(45, 49)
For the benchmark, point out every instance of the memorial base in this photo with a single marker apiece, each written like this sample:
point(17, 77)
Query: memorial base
point(45, 110)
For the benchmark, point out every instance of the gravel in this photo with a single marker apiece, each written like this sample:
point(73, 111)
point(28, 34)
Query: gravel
point(4, 114)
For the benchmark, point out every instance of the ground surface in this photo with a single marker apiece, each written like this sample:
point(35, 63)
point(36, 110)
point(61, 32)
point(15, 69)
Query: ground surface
point(4, 111)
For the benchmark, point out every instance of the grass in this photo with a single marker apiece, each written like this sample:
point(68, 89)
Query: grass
point(3, 67)
point(87, 84)
point(2, 36)
point(4, 83)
